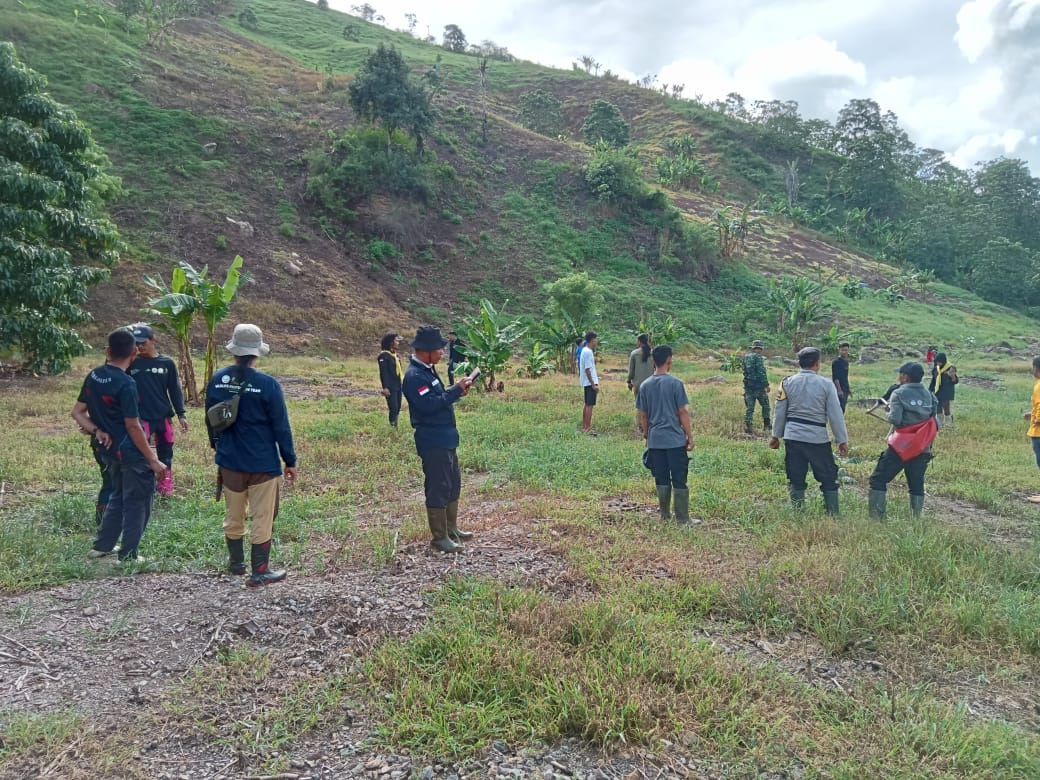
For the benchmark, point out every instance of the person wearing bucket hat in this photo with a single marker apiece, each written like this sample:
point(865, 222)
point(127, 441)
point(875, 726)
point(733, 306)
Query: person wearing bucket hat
point(430, 409)
point(756, 385)
point(250, 454)
point(910, 404)
point(161, 397)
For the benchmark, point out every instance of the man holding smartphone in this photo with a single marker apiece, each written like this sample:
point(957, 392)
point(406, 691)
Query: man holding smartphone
point(430, 408)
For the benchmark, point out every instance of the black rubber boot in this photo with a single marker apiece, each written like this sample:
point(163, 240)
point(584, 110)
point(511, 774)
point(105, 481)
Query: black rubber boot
point(876, 501)
point(260, 554)
point(454, 532)
point(747, 428)
point(797, 498)
point(681, 505)
point(767, 425)
point(916, 505)
point(830, 501)
point(437, 517)
point(664, 501)
point(236, 555)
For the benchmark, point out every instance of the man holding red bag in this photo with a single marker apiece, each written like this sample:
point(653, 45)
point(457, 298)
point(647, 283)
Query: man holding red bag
point(912, 409)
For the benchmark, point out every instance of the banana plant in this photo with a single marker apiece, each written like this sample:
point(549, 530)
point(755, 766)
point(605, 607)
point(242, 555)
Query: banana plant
point(173, 310)
point(214, 302)
point(489, 338)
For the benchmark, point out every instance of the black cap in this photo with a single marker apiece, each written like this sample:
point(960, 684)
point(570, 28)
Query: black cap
point(428, 338)
point(141, 332)
point(913, 370)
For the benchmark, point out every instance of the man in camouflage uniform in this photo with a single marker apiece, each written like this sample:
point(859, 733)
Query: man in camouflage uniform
point(756, 385)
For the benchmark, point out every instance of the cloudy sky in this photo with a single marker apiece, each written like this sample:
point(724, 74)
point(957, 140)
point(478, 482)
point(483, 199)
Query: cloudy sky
point(962, 75)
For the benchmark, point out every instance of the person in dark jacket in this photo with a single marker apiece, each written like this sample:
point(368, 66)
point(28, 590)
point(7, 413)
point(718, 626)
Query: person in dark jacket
point(107, 409)
point(430, 408)
point(391, 374)
point(250, 454)
point(161, 396)
point(455, 354)
point(909, 404)
point(944, 385)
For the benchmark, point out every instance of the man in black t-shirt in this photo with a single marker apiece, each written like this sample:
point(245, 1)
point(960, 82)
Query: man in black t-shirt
point(840, 374)
point(107, 409)
point(160, 396)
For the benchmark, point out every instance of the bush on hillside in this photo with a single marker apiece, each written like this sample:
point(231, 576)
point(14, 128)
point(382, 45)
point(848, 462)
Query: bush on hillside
point(540, 111)
point(613, 176)
point(360, 165)
point(605, 124)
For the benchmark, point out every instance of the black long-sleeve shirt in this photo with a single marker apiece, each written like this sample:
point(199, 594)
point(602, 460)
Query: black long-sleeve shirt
point(158, 386)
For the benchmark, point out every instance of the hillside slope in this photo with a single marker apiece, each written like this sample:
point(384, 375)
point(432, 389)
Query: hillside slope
point(216, 125)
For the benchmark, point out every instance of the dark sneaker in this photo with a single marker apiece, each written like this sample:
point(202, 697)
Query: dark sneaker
point(97, 554)
point(266, 578)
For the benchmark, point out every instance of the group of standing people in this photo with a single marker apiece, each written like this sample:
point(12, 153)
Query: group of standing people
point(127, 405)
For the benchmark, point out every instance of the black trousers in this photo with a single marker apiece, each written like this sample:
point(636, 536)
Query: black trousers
point(443, 482)
point(843, 399)
point(890, 464)
point(393, 404)
point(670, 467)
point(800, 456)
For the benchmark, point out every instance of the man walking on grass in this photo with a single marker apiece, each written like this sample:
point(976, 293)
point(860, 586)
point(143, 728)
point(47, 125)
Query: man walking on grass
point(756, 385)
point(805, 404)
point(589, 380)
point(840, 374)
point(107, 409)
point(430, 408)
point(665, 419)
point(160, 397)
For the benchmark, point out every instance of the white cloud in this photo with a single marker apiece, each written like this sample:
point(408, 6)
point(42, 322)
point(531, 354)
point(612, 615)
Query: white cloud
point(975, 28)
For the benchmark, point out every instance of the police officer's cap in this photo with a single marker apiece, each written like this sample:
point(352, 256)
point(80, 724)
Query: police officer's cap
point(757, 344)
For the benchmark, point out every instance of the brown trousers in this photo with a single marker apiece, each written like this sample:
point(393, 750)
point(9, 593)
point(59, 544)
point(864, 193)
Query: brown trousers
point(249, 493)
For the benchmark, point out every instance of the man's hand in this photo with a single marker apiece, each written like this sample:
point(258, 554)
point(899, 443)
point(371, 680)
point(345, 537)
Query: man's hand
point(843, 449)
point(290, 475)
point(595, 388)
point(689, 443)
point(386, 392)
point(1028, 416)
point(465, 383)
point(629, 383)
point(774, 443)
point(184, 424)
point(158, 468)
point(103, 438)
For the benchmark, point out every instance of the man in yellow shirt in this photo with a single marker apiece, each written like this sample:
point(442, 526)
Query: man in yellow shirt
point(1034, 415)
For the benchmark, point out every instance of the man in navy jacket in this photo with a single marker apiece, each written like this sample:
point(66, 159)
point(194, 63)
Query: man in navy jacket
point(430, 407)
point(250, 453)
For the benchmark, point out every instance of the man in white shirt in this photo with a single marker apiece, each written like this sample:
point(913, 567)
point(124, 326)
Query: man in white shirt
point(589, 380)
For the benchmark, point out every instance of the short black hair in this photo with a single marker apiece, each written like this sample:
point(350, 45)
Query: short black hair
point(589, 336)
point(387, 341)
point(843, 344)
point(1036, 363)
point(808, 357)
point(121, 343)
point(661, 353)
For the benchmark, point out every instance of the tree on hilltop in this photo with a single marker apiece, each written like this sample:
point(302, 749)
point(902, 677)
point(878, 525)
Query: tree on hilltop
point(383, 91)
point(53, 243)
point(454, 38)
point(365, 11)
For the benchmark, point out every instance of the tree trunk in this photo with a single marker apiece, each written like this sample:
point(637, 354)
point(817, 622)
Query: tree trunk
point(191, 391)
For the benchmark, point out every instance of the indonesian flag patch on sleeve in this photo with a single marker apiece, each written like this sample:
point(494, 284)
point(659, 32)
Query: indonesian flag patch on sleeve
point(423, 390)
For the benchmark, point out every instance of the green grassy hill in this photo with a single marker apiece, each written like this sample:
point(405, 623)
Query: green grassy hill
point(217, 124)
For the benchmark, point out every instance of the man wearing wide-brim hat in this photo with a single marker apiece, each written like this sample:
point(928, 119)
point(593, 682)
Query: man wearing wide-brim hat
point(250, 453)
point(756, 385)
point(431, 409)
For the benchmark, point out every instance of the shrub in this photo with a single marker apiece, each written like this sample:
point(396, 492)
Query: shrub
point(247, 18)
point(605, 124)
point(221, 242)
point(378, 251)
point(613, 176)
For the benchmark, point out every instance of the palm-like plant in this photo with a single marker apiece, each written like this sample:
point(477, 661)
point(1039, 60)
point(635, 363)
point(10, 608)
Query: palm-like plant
point(214, 302)
point(173, 311)
point(488, 339)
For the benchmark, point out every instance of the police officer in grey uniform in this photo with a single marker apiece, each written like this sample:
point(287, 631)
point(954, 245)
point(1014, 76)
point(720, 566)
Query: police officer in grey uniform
point(805, 404)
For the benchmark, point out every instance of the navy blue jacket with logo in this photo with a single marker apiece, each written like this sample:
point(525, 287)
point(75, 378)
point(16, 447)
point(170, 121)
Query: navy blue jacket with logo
point(157, 385)
point(430, 408)
point(260, 439)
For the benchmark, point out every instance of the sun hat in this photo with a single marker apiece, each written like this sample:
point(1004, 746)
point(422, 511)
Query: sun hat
point(247, 340)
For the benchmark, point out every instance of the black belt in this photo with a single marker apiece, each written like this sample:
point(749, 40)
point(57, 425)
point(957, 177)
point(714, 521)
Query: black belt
point(807, 422)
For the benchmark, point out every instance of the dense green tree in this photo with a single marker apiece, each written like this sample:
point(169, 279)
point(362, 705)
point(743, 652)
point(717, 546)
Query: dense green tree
point(383, 91)
point(576, 298)
point(870, 175)
point(541, 112)
point(54, 245)
point(454, 38)
point(1004, 272)
point(605, 123)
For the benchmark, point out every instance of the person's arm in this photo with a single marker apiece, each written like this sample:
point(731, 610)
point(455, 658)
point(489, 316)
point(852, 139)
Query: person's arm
point(385, 369)
point(684, 421)
point(426, 399)
point(837, 420)
point(278, 414)
point(631, 369)
point(895, 410)
point(644, 423)
point(140, 440)
point(82, 417)
point(836, 379)
point(173, 389)
point(779, 418)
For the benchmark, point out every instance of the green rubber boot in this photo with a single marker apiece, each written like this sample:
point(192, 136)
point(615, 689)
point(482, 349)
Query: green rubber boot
point(682, 506)
point(876, 500)
point(916, 505)
point(797, 498)
point(830, 501)
point(664, 501)
point(438, 520)
point(454, 532)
